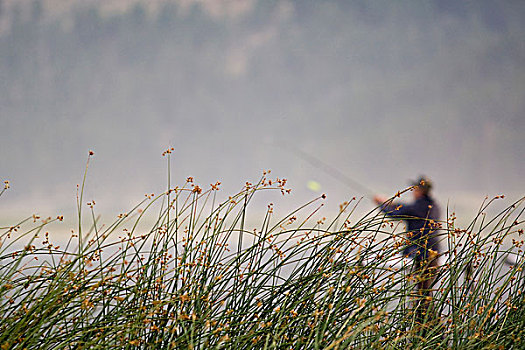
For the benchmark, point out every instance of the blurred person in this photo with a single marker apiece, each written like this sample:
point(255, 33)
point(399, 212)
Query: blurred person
point(421, 217)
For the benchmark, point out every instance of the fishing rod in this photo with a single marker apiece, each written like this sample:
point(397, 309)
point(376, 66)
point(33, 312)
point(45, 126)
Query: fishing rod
point(332, 171)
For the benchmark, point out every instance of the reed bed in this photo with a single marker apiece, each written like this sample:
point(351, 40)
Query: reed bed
point(201, 278)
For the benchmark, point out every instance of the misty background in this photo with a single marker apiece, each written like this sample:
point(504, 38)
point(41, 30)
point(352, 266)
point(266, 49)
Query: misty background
point(382, 91)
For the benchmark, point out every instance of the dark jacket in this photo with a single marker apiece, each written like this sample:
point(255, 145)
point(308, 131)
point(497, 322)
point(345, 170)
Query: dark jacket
point(421, 218)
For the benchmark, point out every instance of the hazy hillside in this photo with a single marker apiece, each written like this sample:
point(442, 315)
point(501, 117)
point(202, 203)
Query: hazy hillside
point(381, 90)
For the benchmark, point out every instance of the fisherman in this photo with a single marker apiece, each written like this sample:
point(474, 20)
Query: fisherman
point(421, 219)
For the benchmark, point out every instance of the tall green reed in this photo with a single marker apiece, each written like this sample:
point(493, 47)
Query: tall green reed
point(201, 277)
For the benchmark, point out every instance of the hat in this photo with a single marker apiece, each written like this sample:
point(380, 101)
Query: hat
point(423, 183)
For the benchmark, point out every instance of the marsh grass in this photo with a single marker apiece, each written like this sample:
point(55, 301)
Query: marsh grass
point(201, 278)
